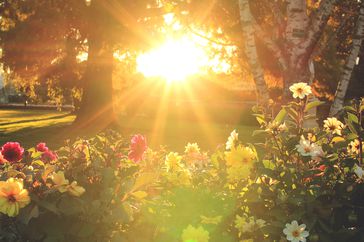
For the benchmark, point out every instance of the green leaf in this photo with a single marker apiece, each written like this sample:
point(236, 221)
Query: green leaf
point(351, 136)
point(337, 139)
point(140, 194)
point(47, 205)
point(281, 116)
point(38, 163)
point(353, 118)
point(313, 105)
point(27, 213)
point(269, 164)
point(354, 128)
point(260, 118)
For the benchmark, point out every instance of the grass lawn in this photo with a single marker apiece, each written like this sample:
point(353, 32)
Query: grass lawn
point(32, 126)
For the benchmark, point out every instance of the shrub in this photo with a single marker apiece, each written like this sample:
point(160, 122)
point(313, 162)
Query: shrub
point(300, 184)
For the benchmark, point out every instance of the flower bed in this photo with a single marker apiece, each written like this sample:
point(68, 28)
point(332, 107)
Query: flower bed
point(300, 184)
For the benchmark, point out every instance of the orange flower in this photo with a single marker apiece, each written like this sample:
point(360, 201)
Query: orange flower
point(13, 197)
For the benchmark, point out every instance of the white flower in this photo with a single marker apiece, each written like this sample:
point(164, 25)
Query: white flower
point(306, 148)
point(274, 127)
point(295, 232)
point(232, 140)
point(334, 126)
point(300, 90)
point(358, 171)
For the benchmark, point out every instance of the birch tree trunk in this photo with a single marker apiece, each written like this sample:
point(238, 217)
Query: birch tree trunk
point(302, 35)
point(246, 21)
point(297, 21)
point(350, 64)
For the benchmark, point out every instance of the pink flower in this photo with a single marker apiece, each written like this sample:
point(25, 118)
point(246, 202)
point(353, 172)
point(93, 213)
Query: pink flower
point(137, 148)
point(41, 147)
point(48, 156)
point(12, 151)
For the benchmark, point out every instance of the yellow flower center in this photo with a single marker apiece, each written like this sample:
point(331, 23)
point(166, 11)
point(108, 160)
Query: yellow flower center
point(245, 160)
point(296, 233)
point(11, 198)
point(307, 149)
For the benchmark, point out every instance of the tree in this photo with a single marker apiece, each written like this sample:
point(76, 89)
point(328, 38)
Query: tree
point(350, 64)
point(38, 35)
point(246, 20)
point(274, 35)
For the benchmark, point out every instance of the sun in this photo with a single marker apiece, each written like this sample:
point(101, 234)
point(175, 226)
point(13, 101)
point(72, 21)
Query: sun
point(175, 60)
point(178, 58)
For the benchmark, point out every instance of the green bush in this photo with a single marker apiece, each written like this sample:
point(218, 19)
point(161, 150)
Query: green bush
point(300, 184)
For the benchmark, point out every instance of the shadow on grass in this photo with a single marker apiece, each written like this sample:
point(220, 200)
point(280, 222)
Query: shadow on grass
point(173, 131)
point(36, 120)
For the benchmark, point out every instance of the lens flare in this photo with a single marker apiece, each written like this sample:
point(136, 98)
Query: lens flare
point(174, 61)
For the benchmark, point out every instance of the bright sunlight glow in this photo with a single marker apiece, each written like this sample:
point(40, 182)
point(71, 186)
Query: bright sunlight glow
point(175, 60)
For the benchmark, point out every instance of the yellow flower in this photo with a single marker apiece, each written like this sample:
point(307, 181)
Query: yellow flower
point(300, 90)
point(180, 177)
point(248, 225)
point(239, 156)
point(354, 147)
point(75, 190)
point(232, 140)
point(13, 197)
point(192, 148)
point(239, 161)
point(334, 126)
point(173, 161)
point(192, 234)
point(60, 182)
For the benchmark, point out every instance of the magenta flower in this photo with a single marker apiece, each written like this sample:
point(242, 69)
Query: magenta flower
point(12, 151)
point(137, 148)
point(41, 147)
point(48, 156)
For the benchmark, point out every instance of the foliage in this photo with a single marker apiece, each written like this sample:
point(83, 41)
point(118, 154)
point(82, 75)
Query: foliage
point(301, 183)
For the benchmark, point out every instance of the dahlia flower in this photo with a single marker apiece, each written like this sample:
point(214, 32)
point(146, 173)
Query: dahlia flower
point(13, 197)
point(300, 90)
point(12, 151)
point(334, 126)
point(295, 232)
point(137, 148)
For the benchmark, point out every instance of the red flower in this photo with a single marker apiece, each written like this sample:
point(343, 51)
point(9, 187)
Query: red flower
point(12, 151)
point(48, 156)
point(41, 147)
point(137, 148)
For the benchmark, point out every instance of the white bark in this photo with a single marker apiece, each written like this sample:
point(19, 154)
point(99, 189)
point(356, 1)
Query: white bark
point(295, 33)
point(350, 64)
point(297, 21)
point(246, 21)
point(272, 45)
point(302, 35)
point(318, 22)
